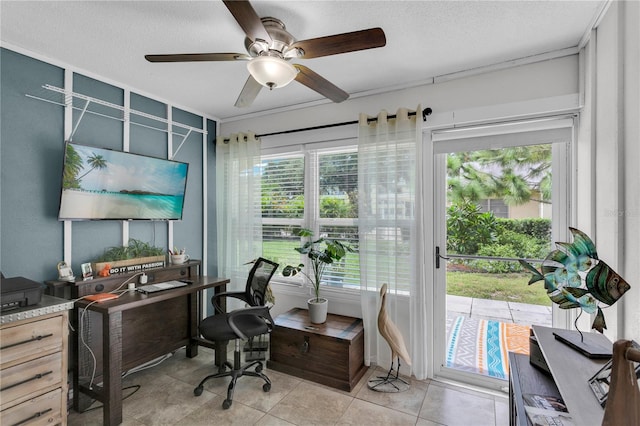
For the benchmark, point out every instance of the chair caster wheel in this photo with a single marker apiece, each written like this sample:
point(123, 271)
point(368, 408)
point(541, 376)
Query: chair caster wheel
point(266, 387)
point(226, 404)
point(198, 391)
point(258, 368)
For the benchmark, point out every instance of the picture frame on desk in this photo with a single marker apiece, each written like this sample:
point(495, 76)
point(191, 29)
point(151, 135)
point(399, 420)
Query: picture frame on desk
point(600, 382)
point(87, 273)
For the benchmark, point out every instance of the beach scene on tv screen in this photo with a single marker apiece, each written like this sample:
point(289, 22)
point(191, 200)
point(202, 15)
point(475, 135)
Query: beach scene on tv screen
point(103, 184)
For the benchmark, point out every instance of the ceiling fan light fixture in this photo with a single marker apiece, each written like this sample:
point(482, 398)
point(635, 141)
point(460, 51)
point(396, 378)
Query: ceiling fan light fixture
point(271, 71)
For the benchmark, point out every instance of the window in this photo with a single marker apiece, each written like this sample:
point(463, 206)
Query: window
point(495, 205)
point(315, 189)
point(282, 201)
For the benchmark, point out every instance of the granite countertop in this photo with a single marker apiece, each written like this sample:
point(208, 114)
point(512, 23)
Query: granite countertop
point(48, 305)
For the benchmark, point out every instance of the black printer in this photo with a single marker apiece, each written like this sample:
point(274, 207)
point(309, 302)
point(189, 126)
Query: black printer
point(19, 292)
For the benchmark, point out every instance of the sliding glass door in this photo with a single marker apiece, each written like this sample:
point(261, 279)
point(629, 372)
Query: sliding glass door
point(501, 194)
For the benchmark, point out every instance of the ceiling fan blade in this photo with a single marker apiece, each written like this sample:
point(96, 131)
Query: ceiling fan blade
point(321, 85)
point(248, 19)
point(249, 92)
point(341, 43)
point(194, 57)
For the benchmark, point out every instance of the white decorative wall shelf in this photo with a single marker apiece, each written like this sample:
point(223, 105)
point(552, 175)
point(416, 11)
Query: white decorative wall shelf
point(62, 97)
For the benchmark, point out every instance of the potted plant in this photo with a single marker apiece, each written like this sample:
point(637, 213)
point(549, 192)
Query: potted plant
point(321, 253)
point(135, 252)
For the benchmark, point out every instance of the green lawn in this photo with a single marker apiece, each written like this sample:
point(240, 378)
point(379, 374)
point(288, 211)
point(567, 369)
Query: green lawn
point(508, 287)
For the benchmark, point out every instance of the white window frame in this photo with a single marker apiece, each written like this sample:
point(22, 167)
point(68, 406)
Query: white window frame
point(311, 150)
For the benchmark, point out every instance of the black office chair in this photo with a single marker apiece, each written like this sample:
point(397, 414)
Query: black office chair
point(239, 325)
point(256, 288)
point(255, 295)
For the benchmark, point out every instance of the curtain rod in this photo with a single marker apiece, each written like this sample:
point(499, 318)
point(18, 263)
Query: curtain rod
point(425, 112)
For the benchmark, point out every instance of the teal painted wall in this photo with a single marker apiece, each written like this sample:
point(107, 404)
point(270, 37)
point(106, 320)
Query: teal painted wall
point(190, 152)
point(31, 137)
point(89, 239)
point(31, 157)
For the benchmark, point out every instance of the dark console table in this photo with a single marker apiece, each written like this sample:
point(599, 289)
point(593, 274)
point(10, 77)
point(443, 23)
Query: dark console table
point(568, 378)
point(135, 328)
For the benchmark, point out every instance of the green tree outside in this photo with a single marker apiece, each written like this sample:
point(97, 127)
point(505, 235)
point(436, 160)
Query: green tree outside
point(514, 174)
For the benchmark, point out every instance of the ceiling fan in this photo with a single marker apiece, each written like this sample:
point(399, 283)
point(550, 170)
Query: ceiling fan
point(270, 48)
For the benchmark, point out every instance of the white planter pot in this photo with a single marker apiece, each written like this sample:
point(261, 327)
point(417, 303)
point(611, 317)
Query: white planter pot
point(317, 310)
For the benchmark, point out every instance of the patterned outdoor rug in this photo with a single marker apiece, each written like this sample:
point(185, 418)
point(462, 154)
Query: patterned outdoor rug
point(481, 346)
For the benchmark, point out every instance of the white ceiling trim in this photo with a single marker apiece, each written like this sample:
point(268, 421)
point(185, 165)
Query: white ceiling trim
point(595, 22)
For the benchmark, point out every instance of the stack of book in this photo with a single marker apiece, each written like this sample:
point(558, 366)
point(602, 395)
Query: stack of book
point(547, 410)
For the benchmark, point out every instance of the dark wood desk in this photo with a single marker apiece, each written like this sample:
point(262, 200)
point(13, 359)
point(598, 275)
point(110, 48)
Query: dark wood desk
point(137, 328)
point(569, 378)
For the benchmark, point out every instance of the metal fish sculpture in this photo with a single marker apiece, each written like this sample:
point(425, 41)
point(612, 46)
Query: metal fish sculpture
point(565, 269)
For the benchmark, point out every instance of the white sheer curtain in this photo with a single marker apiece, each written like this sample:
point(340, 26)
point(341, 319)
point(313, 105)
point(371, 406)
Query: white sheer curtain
point(390, 224)
point(239, 224)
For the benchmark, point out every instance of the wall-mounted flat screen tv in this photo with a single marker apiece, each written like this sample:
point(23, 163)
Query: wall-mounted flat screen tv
point(100, 184)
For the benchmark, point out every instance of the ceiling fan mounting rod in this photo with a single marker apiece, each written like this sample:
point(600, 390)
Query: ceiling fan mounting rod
point(281, 40)
point(273, 53)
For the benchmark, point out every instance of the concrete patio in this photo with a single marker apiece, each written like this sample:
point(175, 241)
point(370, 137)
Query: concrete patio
point(498, 310)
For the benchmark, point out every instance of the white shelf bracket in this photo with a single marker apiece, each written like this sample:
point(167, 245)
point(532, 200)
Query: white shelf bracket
point(84, 109)
point(184, 139)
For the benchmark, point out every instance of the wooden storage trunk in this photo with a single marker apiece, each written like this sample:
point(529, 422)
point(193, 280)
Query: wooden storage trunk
point(331, 353)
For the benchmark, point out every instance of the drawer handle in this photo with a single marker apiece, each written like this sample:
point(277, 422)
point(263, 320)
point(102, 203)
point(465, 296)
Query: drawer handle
point(35, 416)
point(33, 339)
point(36, 377)
point(304, 348)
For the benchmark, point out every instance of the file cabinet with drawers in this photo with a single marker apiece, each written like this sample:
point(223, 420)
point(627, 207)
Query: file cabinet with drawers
point(33, 364)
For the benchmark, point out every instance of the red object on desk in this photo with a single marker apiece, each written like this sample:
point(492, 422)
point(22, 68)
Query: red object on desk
point(105, 271)
point(100, 297)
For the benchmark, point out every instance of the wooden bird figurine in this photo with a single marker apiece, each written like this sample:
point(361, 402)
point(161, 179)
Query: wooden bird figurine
point(390, 332)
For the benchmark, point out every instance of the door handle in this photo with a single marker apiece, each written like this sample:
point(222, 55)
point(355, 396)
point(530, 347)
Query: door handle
point(438, 257)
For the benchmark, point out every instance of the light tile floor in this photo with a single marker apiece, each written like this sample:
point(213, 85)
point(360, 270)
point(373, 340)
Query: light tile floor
point(166, 397)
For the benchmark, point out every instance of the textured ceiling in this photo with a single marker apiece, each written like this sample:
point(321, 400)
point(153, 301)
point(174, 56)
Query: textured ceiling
point(424, 39)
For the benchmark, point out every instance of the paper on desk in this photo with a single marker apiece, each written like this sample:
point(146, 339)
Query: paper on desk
point(542, 417)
